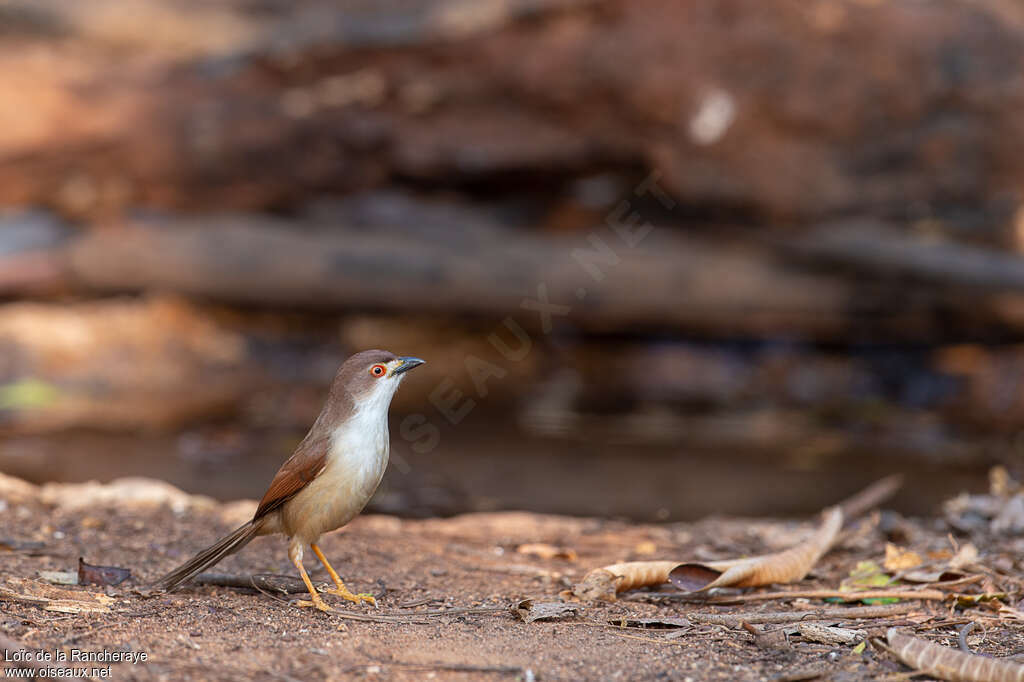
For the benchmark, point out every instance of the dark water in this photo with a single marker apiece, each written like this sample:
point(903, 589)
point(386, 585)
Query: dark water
point(487, 465)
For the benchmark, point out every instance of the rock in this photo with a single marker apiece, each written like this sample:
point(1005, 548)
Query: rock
point(121, 493)
point(16, 490)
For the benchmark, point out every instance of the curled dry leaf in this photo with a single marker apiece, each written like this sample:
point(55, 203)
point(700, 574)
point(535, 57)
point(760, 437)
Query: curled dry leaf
point(781, 567)
point(787, 566)
point(951, 664)
point(101, 575)
point(605, 583)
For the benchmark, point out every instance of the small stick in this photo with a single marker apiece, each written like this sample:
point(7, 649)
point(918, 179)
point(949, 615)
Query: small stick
point(961, 637)
point(284, 584)
point(776, 617)
point(870, 497)
point(412, 617)
point(926, 595)
point(453, 667)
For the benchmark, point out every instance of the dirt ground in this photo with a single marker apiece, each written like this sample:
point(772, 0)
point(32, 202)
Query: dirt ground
point(444, 589)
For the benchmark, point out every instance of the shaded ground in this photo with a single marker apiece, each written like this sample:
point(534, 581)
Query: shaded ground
point(444, 589)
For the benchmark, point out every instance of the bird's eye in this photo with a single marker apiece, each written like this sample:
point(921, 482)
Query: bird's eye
point(378, 370)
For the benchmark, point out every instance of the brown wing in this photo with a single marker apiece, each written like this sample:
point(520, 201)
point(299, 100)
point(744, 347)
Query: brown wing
point(302, 467)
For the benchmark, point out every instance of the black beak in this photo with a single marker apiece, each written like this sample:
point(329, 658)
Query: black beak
point(407, 364)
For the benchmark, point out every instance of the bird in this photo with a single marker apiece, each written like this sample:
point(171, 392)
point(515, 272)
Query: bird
point(329, 478)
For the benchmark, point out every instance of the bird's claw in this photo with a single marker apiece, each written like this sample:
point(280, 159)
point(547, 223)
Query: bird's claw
point(350, 596)
point(317, 603)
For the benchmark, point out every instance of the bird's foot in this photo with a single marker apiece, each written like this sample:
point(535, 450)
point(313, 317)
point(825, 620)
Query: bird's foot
point(345, 593)
point(316, 602)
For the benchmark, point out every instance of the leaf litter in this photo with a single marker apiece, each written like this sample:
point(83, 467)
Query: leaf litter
point(456, 616)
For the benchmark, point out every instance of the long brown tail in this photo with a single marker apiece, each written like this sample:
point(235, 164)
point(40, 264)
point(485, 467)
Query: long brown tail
point(229, 544)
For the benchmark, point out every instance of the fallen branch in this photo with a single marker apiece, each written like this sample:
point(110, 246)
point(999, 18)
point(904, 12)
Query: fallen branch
point(245, 259)
point(951, 664)
point(867, 499)
point(925, 595)
point(270, 582)
point(779, 617)
point(409, 618)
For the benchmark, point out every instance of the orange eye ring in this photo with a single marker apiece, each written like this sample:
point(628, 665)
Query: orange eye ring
point(378, 370)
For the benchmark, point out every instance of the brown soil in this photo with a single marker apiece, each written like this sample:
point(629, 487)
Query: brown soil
point(437, 578)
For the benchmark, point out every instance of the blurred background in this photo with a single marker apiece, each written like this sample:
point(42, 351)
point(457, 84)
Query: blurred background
point(664, 259)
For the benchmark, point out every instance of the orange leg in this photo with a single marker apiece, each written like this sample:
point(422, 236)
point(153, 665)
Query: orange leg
point(295, 554)
point(341, 590)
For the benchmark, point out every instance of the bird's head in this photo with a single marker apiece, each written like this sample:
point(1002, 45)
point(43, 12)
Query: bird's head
point(373, 376)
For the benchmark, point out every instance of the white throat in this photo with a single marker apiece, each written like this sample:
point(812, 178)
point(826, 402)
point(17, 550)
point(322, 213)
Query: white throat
point(361, 444)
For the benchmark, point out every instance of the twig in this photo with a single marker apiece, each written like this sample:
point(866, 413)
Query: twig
point(284, 584)
point(690, 598)
point(527, 673)
point(618, 630)
point(74, 638)
point(961, 637)
point(418, 602)
point(412, 617)
point(926, 595)
point(454, 667)
point(774, 617)
point(870, 497)
point(978, 577)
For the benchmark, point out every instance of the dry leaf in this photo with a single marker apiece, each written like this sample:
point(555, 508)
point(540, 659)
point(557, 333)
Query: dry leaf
point(1000, 483)
point(764, 638)
point(951, 664)
point(645, 548)
point(966, 556)
point(898, 559)
point(101, 575)
point(546, 551)
point(787, 566)
point(866, 575)
point(53, 598)
point(605, 583)
point(781, 567)
point(59, 577)
point(1010, 520)
point(529, 610)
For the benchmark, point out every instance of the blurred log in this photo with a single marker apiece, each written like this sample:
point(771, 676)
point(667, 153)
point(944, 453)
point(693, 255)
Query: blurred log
point(385, 252)
point(667, 280)
point(871, 248)
point(775, 108)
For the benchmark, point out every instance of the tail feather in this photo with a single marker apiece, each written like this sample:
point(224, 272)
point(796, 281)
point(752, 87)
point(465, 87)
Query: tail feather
point(229, 544)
